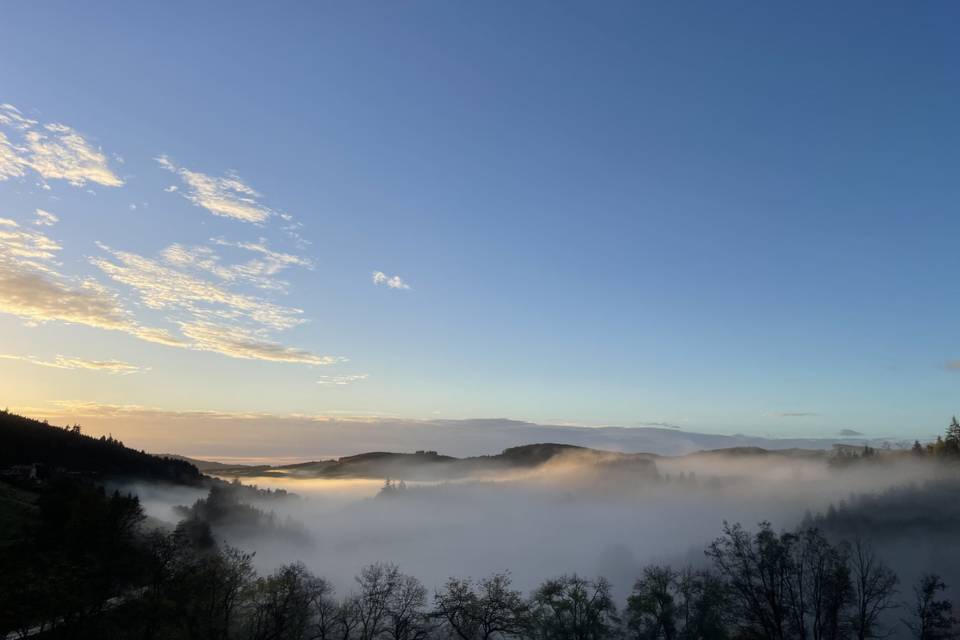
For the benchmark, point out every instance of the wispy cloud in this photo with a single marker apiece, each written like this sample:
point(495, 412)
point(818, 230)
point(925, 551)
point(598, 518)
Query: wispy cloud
point(211, 316)
point(45, 218)
point(163, 287)
point(260, 271)
point(87, 409)
point(32, 288)
point(273, 261)
point(794, 414)
point(393, 282)
point(72, 409)
point(228, 197)
point(210, 303)
point(115, 367)
point(343, 380)
point(952, 365)
point(239, 342)
point(54, 151)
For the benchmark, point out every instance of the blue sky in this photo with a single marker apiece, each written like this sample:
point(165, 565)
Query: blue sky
point(728, 217)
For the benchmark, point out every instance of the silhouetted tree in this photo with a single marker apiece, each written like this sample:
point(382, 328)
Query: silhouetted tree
point(818, 584)
point(278, 607)
point(205, 590)
point(405, 610)
point(325, 622)
point(347, 618)
point(951, 439)
point(757, 571)
point(703, 606)
point(930, 616)
point(874, 586)
point(377, 584)
point(652, 607)
point(487, 610)
point(572, 608)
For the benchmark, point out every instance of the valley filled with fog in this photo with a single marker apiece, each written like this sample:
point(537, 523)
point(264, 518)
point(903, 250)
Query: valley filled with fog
point(575, 513)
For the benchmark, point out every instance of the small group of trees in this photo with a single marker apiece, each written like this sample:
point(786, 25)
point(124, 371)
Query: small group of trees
point(391, 488)
point(945, 446)
point(800, 585)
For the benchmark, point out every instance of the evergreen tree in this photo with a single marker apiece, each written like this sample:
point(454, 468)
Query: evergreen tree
point(951, 439)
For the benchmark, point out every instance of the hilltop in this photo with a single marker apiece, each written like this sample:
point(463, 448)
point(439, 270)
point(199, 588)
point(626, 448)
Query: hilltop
point(25, 441)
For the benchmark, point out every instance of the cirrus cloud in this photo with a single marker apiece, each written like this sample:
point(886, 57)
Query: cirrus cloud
point(227, 197)
point(163, 287)
point(45, 218)
point(211, 316)
point(238, 342)
point(33, 289)
point(115, 367)
point(342, 380)
point(54, 151)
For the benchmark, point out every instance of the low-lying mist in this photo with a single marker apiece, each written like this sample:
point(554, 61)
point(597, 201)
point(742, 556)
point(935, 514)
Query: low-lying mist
point(574, 513)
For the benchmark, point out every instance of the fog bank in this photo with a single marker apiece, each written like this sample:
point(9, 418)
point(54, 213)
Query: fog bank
point(564, 516)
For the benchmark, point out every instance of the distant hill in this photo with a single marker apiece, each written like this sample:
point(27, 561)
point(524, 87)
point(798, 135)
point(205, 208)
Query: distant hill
point(24, 441)
point(205, 465)
point(429, 465)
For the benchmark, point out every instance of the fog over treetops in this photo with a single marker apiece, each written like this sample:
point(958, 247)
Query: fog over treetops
point(556, 510)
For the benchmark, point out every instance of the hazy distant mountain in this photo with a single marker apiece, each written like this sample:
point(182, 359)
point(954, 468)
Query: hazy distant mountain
point(294, 438)
point(472, 437)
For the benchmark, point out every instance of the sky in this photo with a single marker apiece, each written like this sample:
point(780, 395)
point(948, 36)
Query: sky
point(727, 217)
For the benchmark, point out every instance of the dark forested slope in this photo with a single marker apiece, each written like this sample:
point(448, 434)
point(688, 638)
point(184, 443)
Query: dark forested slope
point(24, 441)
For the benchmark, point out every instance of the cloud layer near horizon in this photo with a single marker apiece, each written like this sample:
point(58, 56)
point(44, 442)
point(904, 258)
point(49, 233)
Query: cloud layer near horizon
point(224, 435)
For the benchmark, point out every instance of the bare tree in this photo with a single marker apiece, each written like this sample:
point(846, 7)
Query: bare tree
point(874, 587)
point(324, 611)
point(757, 571)
point(347, 618)
point(573, 608)
point(483, 611)
point(377, 585)
point(818, 584)
point(405, 615)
